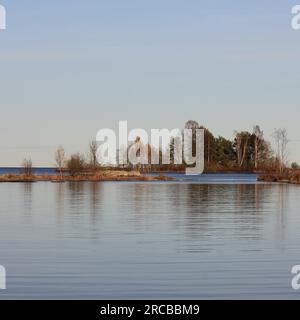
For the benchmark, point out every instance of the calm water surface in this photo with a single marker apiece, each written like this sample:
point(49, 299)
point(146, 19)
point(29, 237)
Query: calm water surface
point(215, 236)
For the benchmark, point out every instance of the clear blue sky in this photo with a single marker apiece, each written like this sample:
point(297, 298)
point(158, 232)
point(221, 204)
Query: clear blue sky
point(70, 68)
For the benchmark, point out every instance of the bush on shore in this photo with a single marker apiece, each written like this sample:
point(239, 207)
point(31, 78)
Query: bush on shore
point(76, 164)
point(289, 177)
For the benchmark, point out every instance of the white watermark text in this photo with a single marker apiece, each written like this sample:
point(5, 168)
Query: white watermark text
point(295, 23)
point(2, 278)
point(2, 17)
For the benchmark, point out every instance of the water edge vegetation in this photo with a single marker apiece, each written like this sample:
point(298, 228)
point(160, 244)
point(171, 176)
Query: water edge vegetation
point(248, 152)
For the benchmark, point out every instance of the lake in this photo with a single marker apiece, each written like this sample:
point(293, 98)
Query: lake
point(36, 171)
point(208, 237)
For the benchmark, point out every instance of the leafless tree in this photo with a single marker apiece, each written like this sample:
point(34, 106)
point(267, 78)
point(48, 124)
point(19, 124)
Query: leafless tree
point(27, 167)
point(93, 154)
point(60, 159)
point(281, 142)
point(258, 143)
point(242, 142)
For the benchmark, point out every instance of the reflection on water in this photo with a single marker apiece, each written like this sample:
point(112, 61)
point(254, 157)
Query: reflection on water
point(149, 240)
point(27, 198)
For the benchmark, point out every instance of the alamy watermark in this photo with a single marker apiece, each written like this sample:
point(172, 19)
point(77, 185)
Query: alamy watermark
point(296, 279)
point(2, 17)
point(135, 148)
point(295, 23)
point(2, 278)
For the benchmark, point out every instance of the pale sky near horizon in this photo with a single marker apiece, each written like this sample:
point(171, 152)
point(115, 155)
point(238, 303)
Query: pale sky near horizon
point(70, 68)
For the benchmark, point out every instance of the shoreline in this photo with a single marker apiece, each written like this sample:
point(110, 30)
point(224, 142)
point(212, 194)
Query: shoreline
point(105, 176)
point(136, 176)
point(289, 178)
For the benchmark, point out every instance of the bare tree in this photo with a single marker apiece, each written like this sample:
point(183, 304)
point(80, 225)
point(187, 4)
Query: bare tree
point(60, 159)
point(258, 143)
point(241, 144)
point(93, 154)
point(27, 167)
point(281, 141)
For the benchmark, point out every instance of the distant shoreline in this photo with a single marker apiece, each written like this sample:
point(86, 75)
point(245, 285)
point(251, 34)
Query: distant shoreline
point(41, 175)
point(222, 170)
point(95, 177)
point(50, 174)
point(292, 177)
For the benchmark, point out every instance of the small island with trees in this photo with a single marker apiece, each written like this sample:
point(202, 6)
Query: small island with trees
point(247, 152)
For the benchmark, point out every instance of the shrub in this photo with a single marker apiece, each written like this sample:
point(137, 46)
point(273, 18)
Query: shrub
point(76, 164)
point(295, 166)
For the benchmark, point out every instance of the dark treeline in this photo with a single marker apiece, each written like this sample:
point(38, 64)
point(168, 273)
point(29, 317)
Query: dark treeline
point(248, 151)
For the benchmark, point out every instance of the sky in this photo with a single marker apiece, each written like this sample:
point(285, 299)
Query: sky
point(71, 68)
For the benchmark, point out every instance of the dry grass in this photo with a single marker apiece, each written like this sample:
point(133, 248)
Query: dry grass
point(100, 176)
point(292, 176)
